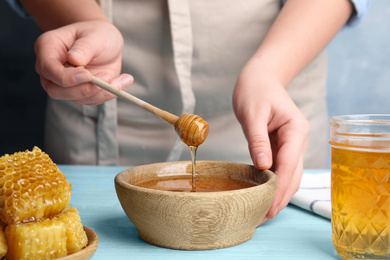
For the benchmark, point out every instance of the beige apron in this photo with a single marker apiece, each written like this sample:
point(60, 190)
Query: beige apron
point(185, 56)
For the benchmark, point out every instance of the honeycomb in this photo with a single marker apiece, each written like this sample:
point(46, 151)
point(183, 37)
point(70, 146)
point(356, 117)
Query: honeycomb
point(76, 238)
point(31, 187)
point(3, 244)
point(34, 201)
point(46, 239)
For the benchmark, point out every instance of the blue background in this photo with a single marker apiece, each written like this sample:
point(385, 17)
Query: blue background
point(359, 66)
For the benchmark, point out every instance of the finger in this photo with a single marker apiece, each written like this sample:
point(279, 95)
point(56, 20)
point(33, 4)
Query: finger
point(77, 92)
point(258, 141)
point(100, 97)
point(289, 161)
point(54, 71)
point(293, 187)
point(69, 93)
point(121, 82)
point(82, 51)
point(51, 56)
point(90, 47)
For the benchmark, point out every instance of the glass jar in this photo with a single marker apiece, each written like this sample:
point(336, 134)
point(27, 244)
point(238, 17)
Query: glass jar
point(360, 186)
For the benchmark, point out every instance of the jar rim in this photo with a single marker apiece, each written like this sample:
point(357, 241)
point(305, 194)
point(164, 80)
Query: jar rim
point(368, 119)
point(361, 132)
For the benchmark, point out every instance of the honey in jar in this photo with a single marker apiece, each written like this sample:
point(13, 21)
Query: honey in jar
point(360, 186)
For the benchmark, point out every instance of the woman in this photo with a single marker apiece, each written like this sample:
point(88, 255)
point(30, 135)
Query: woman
point(190, 57)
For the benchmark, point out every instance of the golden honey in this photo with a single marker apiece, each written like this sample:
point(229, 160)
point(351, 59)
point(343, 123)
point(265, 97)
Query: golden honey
point(183, 183)
point(360, 186)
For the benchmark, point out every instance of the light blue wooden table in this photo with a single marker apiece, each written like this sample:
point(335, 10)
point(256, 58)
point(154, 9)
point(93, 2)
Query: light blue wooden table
point(293, 234)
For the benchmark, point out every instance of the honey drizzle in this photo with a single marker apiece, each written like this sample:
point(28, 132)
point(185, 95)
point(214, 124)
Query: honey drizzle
point(193, 159)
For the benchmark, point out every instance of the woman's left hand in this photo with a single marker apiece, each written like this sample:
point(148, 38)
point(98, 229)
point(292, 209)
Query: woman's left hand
point(275, 129)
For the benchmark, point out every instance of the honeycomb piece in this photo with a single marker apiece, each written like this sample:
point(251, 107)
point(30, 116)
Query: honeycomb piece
point(45, 239)
point(31, 187)
point(76, 236)
point(48, 238)
point(3, 244)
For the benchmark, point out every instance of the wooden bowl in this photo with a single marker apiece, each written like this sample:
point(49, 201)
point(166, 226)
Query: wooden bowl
point(196, 220)
point(88, 251)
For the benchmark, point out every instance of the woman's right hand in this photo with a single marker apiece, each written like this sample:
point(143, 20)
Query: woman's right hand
point(96, 45)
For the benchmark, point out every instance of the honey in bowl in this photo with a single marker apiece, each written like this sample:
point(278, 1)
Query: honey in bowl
point(183, 183)
point(195, 182)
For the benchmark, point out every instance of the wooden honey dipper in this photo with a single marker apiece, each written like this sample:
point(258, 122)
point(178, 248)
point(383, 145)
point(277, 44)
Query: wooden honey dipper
point(192, 129)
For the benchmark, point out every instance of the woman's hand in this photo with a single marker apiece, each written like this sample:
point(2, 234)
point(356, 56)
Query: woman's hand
point(96, 45)
point(275, 129)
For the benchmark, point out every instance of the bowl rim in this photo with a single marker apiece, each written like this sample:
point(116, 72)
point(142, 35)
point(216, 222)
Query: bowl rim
point(272, 177)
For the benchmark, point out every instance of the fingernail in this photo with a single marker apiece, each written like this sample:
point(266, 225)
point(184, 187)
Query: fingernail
point(125, 82)
point(276, 211)
point(262, 160)
point(80, 78)
point(75, 50)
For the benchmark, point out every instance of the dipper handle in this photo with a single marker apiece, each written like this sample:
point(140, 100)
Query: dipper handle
point(192, 129)
point(166, 116)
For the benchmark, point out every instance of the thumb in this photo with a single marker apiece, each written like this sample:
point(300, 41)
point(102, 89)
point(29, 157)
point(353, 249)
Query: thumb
point(259, 144)
point(80, 53)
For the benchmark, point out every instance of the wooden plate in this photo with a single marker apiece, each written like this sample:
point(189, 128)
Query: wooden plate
point(87, 252)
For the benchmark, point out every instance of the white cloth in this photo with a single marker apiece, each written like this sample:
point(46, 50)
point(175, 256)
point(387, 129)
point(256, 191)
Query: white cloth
point(314, 194)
